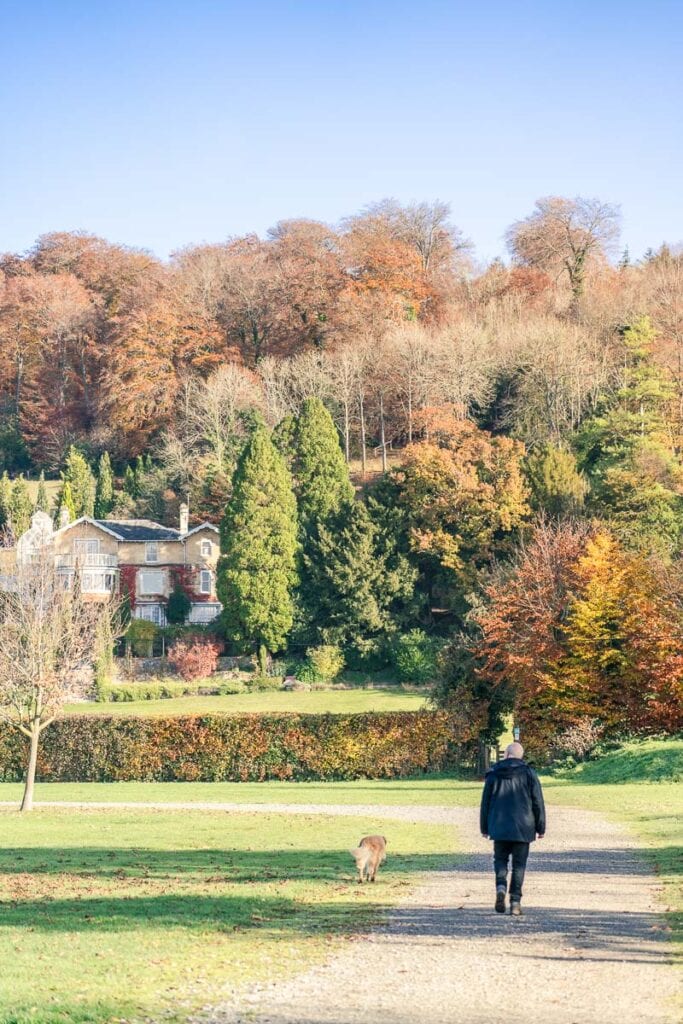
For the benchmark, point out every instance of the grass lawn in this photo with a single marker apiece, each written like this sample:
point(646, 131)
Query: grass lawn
point(431, 790)
point(313, 702)
point(121, 915)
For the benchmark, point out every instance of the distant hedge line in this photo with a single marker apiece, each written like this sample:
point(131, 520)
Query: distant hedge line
point(242, 748)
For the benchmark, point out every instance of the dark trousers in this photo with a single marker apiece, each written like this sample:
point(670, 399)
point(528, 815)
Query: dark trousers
point(503, 850)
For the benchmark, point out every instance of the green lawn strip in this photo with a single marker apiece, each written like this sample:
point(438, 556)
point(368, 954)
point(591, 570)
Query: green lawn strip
point(432, 790)
point(125, 915)
point(311, 702)
point(638, 761)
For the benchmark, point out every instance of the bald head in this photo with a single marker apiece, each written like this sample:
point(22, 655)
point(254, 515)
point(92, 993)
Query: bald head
point(514, 750)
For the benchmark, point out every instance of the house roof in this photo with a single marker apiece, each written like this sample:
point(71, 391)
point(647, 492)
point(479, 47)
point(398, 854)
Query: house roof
point(137, 529)
point(202, 526)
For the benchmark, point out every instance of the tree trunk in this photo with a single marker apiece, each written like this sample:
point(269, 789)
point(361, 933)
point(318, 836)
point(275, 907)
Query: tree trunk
point(347, 429)
point(483, 758)
point(383, 437)
point(361, 406)
point(27, 800)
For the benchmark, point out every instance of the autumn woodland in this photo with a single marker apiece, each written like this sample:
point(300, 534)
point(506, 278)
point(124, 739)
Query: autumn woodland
point(477, 465)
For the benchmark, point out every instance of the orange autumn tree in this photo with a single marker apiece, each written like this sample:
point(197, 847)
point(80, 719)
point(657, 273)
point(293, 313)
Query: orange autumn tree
point(522, 644)
point(464, 495)
point(623, 639)
point(581, 629)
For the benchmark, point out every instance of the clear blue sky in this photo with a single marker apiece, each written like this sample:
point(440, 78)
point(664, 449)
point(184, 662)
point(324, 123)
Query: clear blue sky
point(162, 123)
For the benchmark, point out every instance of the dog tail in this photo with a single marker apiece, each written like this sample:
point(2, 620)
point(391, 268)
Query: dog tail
point(361, 855)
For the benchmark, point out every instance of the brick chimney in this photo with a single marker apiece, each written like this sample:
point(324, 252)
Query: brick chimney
point(184, 518)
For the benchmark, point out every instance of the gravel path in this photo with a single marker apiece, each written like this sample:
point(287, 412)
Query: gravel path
point(592, 948)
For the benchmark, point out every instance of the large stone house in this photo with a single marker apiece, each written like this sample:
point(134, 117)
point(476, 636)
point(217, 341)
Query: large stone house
point(137, 557)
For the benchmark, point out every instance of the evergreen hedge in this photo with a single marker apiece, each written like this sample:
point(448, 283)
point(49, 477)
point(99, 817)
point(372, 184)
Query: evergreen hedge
point(241, 748)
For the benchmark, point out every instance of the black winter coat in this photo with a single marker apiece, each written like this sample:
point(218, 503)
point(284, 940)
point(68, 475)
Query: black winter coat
point(512, 805)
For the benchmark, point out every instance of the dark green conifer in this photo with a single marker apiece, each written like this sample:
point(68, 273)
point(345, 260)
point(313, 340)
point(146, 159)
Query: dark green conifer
point(257, 569)
point(104, 491)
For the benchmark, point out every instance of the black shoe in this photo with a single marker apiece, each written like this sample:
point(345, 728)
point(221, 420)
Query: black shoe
point(500, 902)
point(516, 908)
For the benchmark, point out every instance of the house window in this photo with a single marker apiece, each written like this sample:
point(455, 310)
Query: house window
point(206, 548)
point(205, 582)
point(97, 582)
point(151, 551)
point(86, 547)
point(151, 582)
point(204, 612)
point(151, 613)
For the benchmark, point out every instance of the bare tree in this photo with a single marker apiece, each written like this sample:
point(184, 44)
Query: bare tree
point(343, 368)
point(410, 352)
point(274, 376)
point(423, 227)
point(562, 235)
point(214, 407)
point(50, 633)
point(308, 376)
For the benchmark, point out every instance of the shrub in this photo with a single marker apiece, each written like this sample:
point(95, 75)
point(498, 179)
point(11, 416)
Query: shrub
point(178, 607)
point(578, 741)
point(322, 664)
point(415, 657)
point(120, 693)
point(194, 658)
point(241, 748)
point(265, 683)
point(232, 686)
point(141, 635)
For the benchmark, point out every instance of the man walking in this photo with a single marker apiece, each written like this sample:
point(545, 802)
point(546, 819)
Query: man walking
point(513, 815)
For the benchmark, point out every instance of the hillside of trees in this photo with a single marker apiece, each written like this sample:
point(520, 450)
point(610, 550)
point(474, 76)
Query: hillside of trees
point(525, 534)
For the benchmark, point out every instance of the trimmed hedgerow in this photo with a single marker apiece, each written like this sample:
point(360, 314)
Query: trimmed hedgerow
point(242, 747)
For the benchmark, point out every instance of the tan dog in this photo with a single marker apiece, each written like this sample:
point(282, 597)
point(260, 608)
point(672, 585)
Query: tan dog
point(368, 855)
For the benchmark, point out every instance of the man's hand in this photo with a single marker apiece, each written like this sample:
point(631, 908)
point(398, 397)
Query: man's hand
point(484, 835)
point(540, 835)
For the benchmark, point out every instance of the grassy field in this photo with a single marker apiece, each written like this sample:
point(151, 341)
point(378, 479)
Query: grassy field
point(432, 790)
point(122, 915)
point(313, 702)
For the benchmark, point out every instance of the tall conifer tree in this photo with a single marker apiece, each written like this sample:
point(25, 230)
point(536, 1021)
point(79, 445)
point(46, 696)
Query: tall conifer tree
point(78, 475)
point(356, 585)
point(257, 568)
point(627, 450)
point(42, 499)
point(104, 492)
point(320, 471)
point(65, 503)
point(5, 500)
point(21, 507)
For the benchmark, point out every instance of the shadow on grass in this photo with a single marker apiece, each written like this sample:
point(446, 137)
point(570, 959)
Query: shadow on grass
point(229, 865)
point(273, 914)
